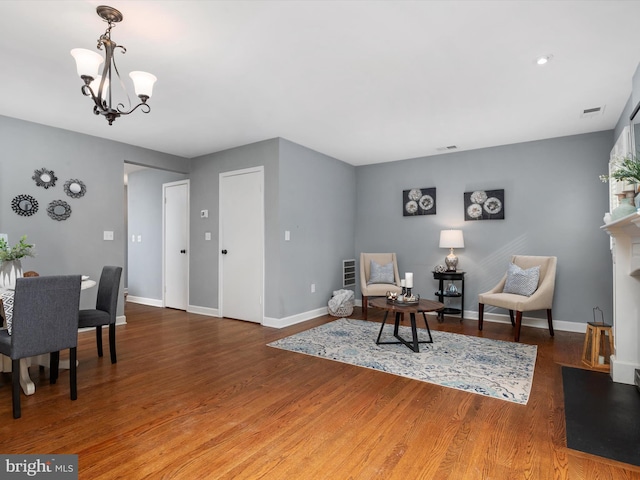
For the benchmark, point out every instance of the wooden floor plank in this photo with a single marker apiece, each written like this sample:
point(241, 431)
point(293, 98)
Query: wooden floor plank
point(201, 397)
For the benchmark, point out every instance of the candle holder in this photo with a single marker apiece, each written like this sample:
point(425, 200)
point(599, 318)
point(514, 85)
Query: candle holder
point(408, 294)
point(404, 291)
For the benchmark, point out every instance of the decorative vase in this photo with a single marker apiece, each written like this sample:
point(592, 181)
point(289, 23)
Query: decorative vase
point(637, 200)
point(9, 271)
point(625, 208)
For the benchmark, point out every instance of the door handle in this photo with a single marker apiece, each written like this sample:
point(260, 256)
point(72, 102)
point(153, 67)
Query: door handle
point(183, 251)
point(224, 252)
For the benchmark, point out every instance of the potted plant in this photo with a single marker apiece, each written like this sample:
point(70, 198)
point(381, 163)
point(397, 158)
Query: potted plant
point(11, 267)
point(627, 169)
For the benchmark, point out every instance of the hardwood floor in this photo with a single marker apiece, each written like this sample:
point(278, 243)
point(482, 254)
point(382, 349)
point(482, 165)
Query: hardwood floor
point(196, 397)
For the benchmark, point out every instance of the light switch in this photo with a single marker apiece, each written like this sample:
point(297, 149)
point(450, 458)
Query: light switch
point(133, 238)
point(207, 235)
point(287, 235)
point(139, 238)
point(204, 213)
point(108, 235)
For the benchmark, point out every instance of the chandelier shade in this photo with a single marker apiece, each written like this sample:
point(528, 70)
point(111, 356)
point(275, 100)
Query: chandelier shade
point(143, 83)
point(98, 84)
point(87, 62)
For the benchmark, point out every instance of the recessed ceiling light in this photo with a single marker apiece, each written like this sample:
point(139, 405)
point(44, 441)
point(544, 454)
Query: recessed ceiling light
point(543, 59)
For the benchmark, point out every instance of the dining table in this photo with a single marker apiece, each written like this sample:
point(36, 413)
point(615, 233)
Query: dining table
point(28, 387)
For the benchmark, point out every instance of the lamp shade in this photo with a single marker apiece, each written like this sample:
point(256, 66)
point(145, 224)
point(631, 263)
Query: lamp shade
point(451, 239)
point(143, 83)
point(87, 62)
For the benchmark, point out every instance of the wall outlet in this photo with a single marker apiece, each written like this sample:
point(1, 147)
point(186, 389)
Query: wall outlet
point(204, 213)
point(108, 235)
point(139, 238)
point(207, 235)
point(313, 288)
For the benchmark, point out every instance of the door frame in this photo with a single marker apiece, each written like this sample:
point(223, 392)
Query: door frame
point(186, 182)
point(232, 173)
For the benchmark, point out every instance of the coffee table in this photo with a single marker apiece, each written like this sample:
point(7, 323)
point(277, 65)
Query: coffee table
point(422, 306)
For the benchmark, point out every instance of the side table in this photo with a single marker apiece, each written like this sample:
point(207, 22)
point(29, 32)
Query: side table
point(443, 293)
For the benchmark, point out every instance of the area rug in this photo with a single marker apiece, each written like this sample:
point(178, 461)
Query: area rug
point(602, 416)
point(493, 368)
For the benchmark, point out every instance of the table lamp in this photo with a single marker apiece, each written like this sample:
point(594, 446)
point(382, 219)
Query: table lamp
point(451, 239)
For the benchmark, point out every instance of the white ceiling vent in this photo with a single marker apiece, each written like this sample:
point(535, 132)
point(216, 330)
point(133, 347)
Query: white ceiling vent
point(447, 149)
point(592, 112)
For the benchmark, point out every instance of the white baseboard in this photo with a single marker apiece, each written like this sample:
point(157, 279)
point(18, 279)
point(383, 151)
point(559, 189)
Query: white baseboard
point(560, 325)
point(120, 320)
point(152, 302)
point(208, 311)
point(293, 319)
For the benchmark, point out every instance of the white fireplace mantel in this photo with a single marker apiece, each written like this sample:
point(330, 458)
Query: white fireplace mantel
point(625, 250)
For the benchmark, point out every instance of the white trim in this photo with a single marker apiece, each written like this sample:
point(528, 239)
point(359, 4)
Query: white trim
point(244, 171)
point(208, 311)
point(293, 319)
point(186, 182)
point(559, 325)
point(120, 320)
point(152, 302)
point(623, 372)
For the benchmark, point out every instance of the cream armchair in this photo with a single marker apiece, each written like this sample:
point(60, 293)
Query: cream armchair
point(541, 299)
point(376, 289)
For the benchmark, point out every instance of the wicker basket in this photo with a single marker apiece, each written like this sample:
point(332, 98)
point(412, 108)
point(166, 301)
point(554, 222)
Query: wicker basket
point(342, 311)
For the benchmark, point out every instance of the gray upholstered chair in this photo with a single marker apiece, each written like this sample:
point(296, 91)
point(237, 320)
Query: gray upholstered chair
point(541, 299)
point(377, 289)
point(105, 311)
point(45, 320)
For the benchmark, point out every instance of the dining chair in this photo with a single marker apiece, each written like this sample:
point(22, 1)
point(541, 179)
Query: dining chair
point(105, 311)
point(529, 287)
point(45, 320)
point(379, 277)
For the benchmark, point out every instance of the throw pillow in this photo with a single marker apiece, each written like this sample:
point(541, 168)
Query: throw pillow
point(381, 273)
point(522, 282)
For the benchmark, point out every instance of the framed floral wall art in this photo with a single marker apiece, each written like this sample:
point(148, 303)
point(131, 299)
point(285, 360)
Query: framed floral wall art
point(419, 201)
point(484, 205)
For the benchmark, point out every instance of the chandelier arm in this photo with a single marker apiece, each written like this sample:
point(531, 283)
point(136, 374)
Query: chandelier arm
point(104, 106)
point(145, 108)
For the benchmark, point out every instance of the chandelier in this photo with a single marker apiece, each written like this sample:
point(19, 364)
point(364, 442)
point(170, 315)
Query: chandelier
point(99, 87)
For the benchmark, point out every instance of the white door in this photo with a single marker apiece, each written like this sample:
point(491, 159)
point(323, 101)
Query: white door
point(176, 242)
point(241, 280)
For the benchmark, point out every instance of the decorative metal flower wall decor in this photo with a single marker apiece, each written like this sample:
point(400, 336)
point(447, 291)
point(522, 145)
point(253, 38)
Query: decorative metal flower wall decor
point(484, 205)
point(419, 201)
point(44, 178)
point(75, 188)
point(59, 210)
point(24, 205)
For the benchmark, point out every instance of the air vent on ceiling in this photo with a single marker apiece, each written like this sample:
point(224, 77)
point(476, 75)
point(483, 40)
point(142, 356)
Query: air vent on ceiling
point(592, 112)
point(447, 149)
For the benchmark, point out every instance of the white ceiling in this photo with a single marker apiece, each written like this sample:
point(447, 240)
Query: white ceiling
point(362, 81)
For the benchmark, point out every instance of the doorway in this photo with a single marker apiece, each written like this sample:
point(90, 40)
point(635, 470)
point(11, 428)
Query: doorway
point(241, 233)
point(175, 228)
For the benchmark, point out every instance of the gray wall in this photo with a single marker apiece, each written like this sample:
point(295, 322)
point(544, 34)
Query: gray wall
point(554, 205)
point(317, 205)
point(306, 192)
point(205, 173)
point(145, 219)
point(75, 245)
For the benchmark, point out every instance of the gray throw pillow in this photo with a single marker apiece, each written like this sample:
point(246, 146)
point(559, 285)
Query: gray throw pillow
point(381, 273)
point(522, 282)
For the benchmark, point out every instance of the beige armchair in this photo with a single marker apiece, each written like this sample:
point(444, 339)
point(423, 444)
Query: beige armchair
point(541, 299)
point(376, 289)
